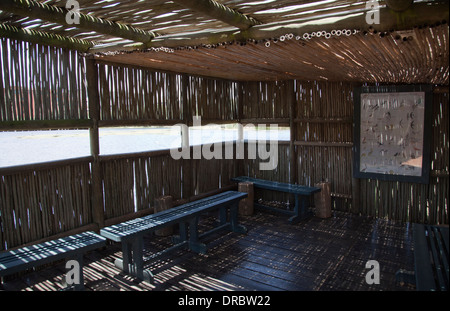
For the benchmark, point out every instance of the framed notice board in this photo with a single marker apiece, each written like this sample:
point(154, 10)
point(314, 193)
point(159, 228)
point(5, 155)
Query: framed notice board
point(392, 132)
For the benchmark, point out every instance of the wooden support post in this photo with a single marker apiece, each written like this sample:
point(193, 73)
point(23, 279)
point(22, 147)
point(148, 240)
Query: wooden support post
point(98, 214)
point(240, 134)
point(240, 143)
point(94, 113)
point(187, 190)
point(184, 136)
point(355, 209)
point(293, 178)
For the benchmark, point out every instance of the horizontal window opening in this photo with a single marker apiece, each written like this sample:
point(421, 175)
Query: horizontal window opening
point(213, 133)
point(281, 133)
point(29, 147)
point(119, 140)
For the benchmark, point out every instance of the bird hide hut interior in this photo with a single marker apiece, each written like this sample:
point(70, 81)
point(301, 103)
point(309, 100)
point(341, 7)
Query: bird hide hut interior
point(337, 110)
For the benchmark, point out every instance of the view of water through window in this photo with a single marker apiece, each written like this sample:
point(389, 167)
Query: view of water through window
point(27, 147)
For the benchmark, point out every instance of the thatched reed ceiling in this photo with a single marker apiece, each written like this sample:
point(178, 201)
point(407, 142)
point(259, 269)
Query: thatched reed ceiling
point(258, 39)
point(419, 56)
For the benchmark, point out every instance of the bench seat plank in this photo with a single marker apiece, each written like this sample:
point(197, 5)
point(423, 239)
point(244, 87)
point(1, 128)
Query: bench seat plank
point(278, 186)
point(431, 257)
point(437, 250)
point(302, 195)
point(130, 233)
point(31, 256)
point(150, 223)
point(444, 232)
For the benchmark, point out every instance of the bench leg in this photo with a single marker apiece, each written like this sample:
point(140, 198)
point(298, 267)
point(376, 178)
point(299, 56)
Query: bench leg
point(296, 217)
point(300, 209)
point(77, 283)
point(194, 243)
point(80, 286)
point(222, 216)
point(133, 260)
point(183, 237)
point(405, 277)
point(235, 226)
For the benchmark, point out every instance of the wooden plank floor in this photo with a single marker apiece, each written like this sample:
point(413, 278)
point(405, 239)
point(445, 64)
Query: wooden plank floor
point(313, 255)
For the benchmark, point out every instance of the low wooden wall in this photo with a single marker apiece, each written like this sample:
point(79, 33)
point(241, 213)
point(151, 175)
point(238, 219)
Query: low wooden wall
point(44, 200)
point(48, 199)
point(132, 182)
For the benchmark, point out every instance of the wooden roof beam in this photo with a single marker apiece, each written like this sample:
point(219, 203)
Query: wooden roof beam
point(39, 37)
point(220, 12)
point(34, 9)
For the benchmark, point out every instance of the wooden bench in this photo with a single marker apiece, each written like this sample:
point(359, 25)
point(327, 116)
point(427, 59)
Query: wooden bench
point(71, 247)
point(302, 195)
point(130, 233)
point(431, 261)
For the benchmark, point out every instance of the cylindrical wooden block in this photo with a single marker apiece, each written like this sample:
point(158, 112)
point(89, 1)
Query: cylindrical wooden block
point(246, 205)
point(161, 204)
point(322, 200)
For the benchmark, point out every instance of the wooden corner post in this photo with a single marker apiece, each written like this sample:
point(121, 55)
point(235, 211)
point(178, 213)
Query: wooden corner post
point(187, 189)
point(293, 178)
point(291, 98)
point(98, 215)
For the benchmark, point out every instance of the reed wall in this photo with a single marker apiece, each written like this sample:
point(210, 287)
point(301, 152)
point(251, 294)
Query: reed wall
point(424, 203)
point(133, 183)
point(41, 84)
point(134, 93)
point(38, 203)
